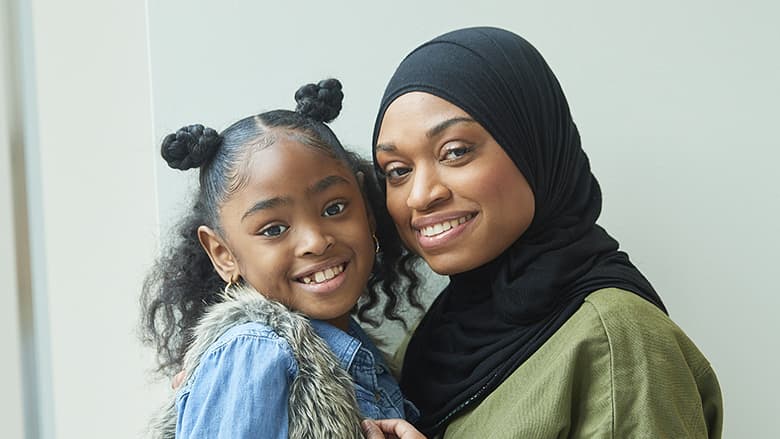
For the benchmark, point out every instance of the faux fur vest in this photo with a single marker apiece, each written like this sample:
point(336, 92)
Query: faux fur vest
point(322, 400)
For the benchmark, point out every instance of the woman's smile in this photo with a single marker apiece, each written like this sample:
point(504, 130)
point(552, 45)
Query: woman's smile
point(433, 233)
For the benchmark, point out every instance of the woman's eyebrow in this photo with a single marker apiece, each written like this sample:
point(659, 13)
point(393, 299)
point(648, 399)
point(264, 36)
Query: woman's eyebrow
point(432, 132)
point(386, 147)
point(443, 125)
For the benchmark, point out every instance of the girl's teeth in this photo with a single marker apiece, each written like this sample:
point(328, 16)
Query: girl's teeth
point(322, 276)
point(444, 226)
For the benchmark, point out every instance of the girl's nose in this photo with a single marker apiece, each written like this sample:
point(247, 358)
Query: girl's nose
point(314, 241)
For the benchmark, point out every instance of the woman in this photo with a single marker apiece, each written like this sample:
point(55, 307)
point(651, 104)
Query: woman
point(546, 329)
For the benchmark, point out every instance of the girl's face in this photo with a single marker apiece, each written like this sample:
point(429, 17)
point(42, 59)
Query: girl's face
point(455, 196)
point(298, 232)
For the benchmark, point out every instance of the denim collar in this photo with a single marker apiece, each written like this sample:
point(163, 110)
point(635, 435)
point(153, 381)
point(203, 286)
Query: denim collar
point(344, 345)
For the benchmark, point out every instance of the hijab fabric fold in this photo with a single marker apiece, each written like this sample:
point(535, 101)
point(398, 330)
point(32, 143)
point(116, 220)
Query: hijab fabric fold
point(490, 320)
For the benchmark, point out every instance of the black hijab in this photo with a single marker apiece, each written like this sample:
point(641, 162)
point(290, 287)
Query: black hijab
point(488, 321)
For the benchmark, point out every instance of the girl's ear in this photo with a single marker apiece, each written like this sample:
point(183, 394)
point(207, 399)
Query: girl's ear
point(221, 257)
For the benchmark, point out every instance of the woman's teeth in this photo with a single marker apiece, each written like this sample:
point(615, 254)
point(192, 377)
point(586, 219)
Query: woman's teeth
point(322, 276)
point(444, 226)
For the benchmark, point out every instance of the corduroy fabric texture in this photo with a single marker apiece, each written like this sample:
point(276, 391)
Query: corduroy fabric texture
point(618, 368)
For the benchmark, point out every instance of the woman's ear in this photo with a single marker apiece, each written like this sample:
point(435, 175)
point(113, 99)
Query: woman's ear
point(221, 257)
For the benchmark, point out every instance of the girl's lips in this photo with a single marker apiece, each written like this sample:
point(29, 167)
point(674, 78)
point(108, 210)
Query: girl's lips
point(328, 285)
point(445, 237)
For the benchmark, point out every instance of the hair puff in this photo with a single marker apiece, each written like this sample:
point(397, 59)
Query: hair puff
point(321, 101)
point(190, 147)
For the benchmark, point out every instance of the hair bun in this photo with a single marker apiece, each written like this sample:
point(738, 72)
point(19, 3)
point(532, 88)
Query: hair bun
point(321, 101)
point(190, 147)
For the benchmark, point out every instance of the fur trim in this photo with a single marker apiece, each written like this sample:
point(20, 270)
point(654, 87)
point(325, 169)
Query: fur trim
point(322, 396)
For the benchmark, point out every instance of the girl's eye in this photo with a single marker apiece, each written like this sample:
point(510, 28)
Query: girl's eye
point(274, 231)
point(334, 209)
point(456, 153)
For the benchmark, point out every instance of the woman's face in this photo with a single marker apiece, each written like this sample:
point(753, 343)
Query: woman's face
point(299, 231)
point(455, 196)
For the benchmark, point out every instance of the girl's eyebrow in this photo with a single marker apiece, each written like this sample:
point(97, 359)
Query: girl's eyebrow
point(274, 202)
point(432, 132)
point(325, 183)
point(270, 203)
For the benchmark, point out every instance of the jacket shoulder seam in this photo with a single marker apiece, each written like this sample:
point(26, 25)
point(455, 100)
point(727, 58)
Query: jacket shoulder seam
point(613, 397)
point(272, 337)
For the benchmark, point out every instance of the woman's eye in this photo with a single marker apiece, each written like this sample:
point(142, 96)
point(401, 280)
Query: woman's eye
point(274, 231)
point(456, 153)
point(334, 209)
point(397, 172)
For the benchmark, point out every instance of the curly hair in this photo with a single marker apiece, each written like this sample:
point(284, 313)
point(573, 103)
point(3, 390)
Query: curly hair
point(182, 283)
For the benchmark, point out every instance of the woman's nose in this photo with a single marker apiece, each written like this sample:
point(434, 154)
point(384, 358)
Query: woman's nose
point(427, 190)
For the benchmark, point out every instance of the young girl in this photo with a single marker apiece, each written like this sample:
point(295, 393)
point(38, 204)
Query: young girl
point(280, 231)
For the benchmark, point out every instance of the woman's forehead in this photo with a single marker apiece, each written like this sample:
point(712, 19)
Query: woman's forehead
point(420, 112)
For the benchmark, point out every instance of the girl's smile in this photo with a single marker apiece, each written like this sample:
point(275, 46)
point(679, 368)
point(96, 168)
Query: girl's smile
point(324, 280)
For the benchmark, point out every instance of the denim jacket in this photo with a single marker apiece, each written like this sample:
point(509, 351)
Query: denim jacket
point(242, 385)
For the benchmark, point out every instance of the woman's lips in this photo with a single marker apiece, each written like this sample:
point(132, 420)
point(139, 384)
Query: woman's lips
point(439, 234)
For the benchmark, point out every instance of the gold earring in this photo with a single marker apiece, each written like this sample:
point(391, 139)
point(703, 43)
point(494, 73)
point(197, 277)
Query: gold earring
point(376, 243)
point(231, 283)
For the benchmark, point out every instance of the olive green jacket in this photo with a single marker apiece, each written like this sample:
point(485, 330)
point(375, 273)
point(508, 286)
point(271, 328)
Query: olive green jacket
point(618, 368)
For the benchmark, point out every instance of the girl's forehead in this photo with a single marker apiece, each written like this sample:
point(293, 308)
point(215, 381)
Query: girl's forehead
point(290, 165)
point(286, 177)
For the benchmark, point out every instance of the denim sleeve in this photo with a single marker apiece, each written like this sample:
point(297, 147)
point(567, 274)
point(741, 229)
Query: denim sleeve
point(240, 390)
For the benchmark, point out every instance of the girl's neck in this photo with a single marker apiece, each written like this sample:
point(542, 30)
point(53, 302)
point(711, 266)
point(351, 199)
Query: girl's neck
point(341, 322)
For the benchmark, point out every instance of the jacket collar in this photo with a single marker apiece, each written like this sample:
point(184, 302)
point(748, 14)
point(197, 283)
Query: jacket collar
point(345, 346)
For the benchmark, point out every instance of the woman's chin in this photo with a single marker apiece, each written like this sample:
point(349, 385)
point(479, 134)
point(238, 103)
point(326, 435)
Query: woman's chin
point(447, 265)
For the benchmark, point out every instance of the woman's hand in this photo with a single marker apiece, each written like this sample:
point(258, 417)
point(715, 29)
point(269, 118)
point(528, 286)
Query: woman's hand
point(390, 429)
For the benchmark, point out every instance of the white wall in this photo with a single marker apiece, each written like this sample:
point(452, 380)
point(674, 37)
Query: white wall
point(83, 75)
point(94, 142)
point(11, 402)
point(676, 103)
